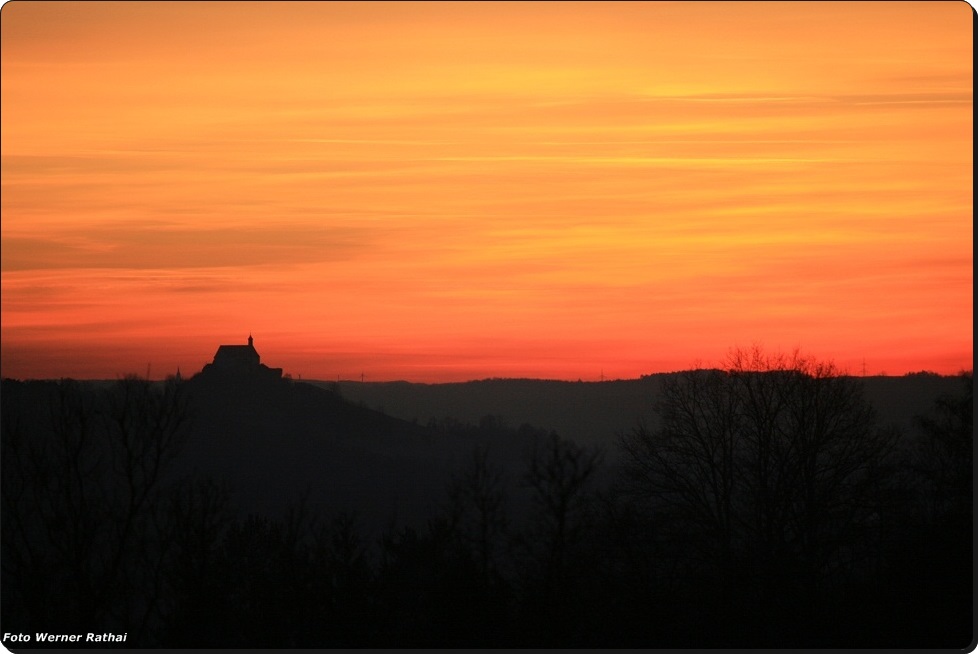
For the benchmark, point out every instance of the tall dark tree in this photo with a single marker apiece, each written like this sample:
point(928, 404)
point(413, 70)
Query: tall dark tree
point(944, 456)
point(477, 511)
point(560, 476)
point(929, 572)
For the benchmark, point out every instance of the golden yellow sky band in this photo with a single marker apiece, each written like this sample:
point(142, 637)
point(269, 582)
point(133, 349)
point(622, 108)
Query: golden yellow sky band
point(446, 191)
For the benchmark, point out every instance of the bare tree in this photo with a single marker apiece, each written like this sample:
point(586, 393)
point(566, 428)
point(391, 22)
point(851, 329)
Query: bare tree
point(84, 540)
point(477, 510)
point(559, 474)
point(767, 467)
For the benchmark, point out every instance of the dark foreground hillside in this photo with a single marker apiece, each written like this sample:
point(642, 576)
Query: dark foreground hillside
point(752, 510)
point(275, 441)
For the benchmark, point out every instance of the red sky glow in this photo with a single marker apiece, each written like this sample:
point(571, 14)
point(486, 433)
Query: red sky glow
point(450, 191)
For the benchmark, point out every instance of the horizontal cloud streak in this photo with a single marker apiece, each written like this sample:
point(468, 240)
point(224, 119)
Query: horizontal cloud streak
point(153, 248)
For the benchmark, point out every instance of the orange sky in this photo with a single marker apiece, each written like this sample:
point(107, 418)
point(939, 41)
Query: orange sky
point(439, 192)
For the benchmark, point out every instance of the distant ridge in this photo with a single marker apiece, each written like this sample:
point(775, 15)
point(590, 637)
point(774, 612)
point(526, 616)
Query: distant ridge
point(592, 411)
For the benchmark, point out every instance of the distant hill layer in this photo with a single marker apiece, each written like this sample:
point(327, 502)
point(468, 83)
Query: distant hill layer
point(595, 412)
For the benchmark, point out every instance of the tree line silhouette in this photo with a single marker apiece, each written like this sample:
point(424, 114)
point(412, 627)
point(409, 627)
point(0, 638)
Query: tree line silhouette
point(766, 508)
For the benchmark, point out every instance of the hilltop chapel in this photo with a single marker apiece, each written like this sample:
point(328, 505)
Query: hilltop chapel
point(240, 360)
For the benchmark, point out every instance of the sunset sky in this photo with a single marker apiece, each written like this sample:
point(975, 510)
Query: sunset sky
point(452, 191)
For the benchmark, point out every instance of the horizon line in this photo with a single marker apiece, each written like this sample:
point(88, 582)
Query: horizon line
point(579, 380)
